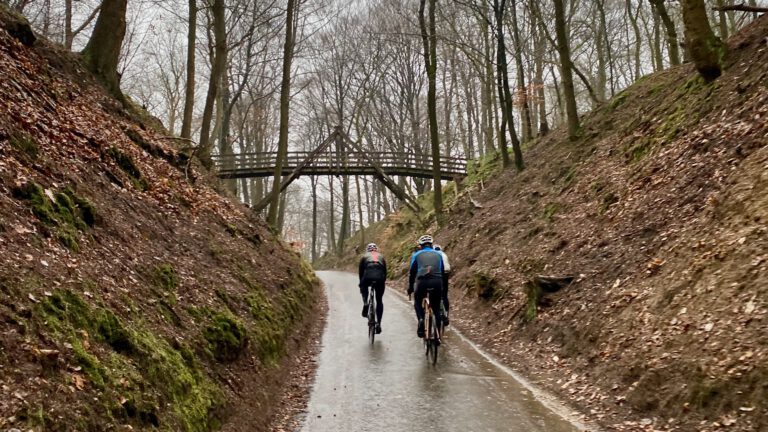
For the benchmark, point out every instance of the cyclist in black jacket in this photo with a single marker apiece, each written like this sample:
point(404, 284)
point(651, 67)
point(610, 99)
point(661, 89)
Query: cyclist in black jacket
point(373, 274)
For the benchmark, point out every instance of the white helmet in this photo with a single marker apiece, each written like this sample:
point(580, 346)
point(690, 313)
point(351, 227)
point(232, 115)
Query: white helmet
point(371, 247)
point(437, 247)
point(425, 239)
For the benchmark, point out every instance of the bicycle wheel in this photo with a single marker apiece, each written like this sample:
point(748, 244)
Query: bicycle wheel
point(371, 318)
point(433, 340)
point(427, 339)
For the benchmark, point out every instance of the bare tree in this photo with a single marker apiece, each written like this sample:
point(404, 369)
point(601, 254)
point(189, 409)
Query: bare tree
point(429, 40)
point(218, 69)
point(706, 49)
point(566, 69)
point(285, 97)
point(103, 50)
point(189, 87)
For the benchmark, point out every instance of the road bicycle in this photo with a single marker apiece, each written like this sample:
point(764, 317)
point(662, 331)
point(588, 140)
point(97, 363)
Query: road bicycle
point(431, 331)
point(371, 314)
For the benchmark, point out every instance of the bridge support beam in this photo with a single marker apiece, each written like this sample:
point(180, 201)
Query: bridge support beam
point(261, 205)
point(339, 134)
point(385, 179)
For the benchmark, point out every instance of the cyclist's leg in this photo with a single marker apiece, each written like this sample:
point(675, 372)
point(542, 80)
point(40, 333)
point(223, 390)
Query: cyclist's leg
point(379, 287)
point(364, 289)
point(364, 292)
point(445, 293)
point(418, 296)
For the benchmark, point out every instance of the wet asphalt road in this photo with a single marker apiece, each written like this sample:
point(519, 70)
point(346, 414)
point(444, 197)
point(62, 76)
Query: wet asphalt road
point(390, 386)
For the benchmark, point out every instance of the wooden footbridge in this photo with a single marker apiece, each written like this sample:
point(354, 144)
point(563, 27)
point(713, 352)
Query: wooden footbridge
point(348, 158)
point(246, 165)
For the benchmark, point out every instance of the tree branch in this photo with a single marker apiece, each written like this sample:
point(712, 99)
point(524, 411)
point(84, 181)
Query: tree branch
point(88, 20)
point(741, 8)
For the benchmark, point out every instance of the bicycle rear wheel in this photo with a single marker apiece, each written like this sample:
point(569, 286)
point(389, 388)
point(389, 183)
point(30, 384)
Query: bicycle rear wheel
point(427, 334)
point(371, 318)
point(433, 340)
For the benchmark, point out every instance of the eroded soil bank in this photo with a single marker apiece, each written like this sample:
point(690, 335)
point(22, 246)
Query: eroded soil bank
point(132, 293)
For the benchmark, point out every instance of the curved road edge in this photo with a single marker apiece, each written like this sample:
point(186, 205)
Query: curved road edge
point(548, 399)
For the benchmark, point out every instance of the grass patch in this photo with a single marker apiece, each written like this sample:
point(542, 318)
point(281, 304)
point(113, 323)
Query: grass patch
point(533, 295)
point(160, 384)
point(226, 337)
point(268, 330)
point(166, 278)
point(549, 211)
point(618, 100)
point(25, 144)
point(637, 150)
point(485, 285)
point(68, 213)
point(480, 170)
point(608, 200)
point(128, 166)
point(41, 206)
point(231, 230)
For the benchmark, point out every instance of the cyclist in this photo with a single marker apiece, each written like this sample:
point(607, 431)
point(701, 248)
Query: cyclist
point(427, 274)
point(446, 275)
point(373, 274)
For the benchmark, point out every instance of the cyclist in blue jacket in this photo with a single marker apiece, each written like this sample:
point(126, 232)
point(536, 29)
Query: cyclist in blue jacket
point(427, 274)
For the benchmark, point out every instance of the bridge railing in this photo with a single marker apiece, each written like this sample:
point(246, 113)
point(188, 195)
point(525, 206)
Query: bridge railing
point(386, 160)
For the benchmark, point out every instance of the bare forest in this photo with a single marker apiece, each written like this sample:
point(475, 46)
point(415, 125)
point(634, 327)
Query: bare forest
point(467, 79)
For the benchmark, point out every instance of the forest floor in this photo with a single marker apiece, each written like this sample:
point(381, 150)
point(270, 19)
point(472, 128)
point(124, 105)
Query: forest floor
point(133, 294)
point(659, 213)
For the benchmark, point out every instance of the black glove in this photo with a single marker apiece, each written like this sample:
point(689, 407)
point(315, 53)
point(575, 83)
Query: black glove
point(410, 290)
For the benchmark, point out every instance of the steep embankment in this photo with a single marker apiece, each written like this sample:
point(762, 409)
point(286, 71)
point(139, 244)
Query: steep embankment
point(659, 212)
point(131, 293)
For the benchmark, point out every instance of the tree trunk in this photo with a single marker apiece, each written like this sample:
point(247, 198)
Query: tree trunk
point(189, 94)
point(505, 95)
point(281, 213)
point(68, 25)
point(538, 49)
point(313, 192)
point(603, 52)
point(706, 49)
point(360, 212)
point(638, 36)
point(669, 26)
point(429, 39)
point(522, 90)
point(488, 108)
point(103, 50)
point(658, 59)
point(566, 70)
point(331, 217)
point(217, 71)
point(370, 202)
point(285, 96)
point(244, 192)
point(224, 117)
point(723, 24)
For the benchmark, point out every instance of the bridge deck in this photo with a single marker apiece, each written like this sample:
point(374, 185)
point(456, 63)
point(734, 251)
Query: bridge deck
point(351, 163)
